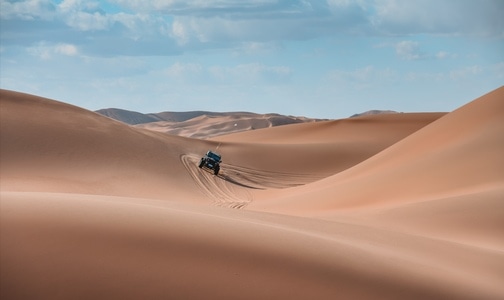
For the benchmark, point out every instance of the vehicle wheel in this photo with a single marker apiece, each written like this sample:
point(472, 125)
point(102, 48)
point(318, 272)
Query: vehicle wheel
point(201, 163)
point(216, 170)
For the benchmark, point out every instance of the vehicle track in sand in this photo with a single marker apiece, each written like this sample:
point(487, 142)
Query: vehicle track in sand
point(231, 188)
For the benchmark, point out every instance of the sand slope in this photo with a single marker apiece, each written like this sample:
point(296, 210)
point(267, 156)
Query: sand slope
point(451, 169)
point(54, 147)
point(459, 151)
point(401, 206)
point(60, 246)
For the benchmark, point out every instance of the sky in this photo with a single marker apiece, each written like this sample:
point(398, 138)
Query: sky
point(314, 58)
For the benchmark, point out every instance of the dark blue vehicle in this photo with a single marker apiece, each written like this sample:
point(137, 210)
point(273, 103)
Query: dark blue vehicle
point(211, 161)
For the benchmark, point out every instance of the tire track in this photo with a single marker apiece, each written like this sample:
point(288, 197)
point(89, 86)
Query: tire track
point(231, 188)
point(260, 179)
point(222, 191)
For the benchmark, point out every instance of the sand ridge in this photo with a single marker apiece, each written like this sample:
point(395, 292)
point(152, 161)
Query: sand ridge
point(206, 124)
point(457, 151)
point(398, 206)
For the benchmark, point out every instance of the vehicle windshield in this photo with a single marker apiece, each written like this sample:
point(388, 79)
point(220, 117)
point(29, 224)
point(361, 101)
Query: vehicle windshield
point(213, 156)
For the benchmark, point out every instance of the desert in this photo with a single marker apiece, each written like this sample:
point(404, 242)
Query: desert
point(379, 206)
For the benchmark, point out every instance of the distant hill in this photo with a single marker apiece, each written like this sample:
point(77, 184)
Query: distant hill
point(128, 117)
point(201, 124)
point(374, 112)
point(134, 118)
point(206, 124)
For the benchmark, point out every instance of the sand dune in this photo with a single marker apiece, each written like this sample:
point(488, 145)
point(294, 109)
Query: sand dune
point(54, 147)
point(461, 150)
point(201, 124)
point(210, 126)
point(451, 169)
point(397, 206)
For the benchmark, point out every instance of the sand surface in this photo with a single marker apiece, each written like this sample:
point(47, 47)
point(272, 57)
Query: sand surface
point(392, 206)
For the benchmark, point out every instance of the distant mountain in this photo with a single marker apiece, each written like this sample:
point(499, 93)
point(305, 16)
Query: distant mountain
point(201, 124)
point(374, 112)
point(128, 117)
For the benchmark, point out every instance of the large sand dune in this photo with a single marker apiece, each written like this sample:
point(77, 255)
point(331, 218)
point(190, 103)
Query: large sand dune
point(201, 124)
point(394, 206)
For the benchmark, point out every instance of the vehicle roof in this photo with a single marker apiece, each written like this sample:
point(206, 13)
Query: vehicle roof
point(214, 153)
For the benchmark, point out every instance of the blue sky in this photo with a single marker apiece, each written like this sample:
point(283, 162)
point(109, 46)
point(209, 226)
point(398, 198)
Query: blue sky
point(326, 59)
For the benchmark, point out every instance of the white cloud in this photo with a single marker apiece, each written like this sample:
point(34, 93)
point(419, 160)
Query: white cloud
point(27, 10)
point(199, 7)
point(72, 5)
point(42, 52)
point(454, 17)
point(89, 16)
point(88, 21)
point(66, 49)
point(165, 27)
point(200, 23)
point(47, 51)
point(408, 50)
point(179, 32)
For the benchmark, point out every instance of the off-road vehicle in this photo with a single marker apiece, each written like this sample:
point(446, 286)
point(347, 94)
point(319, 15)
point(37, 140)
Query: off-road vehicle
point(211, 161)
